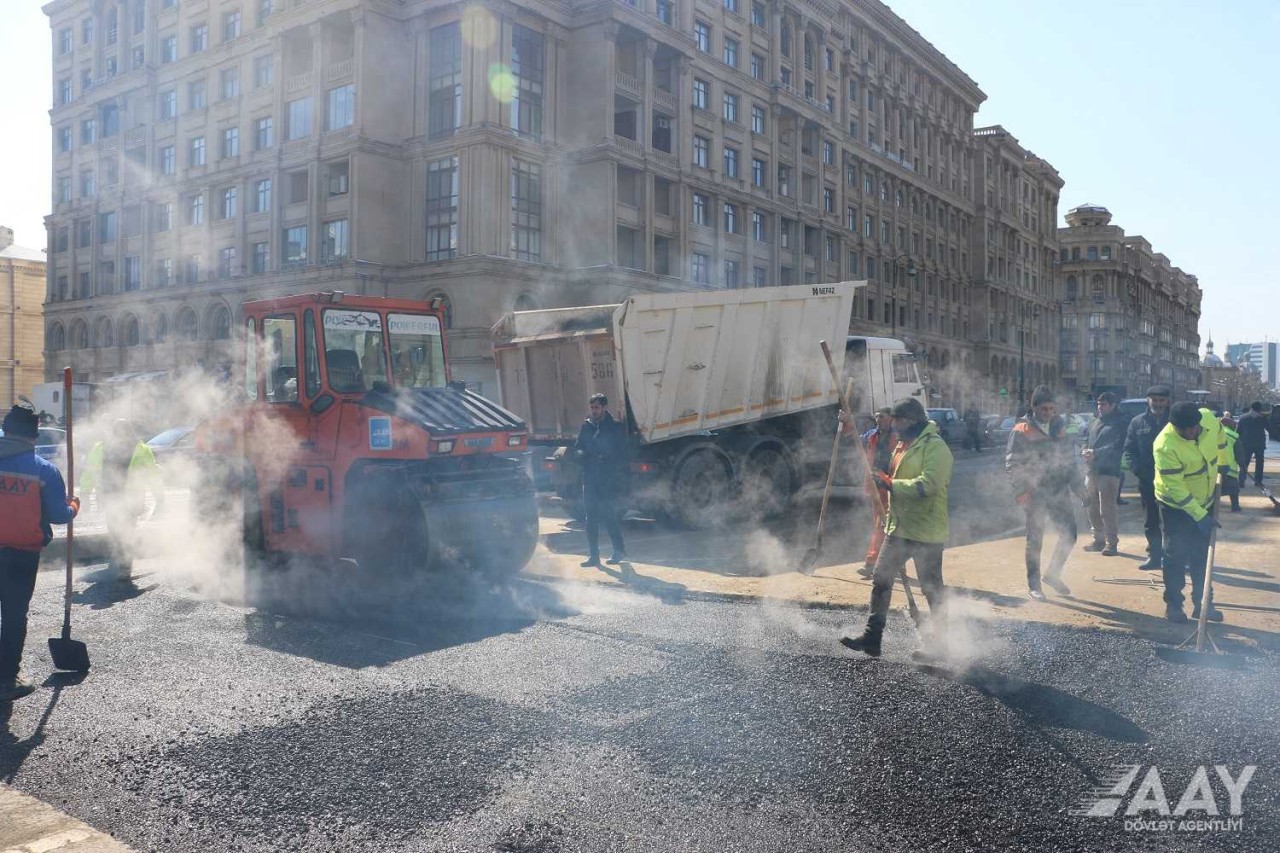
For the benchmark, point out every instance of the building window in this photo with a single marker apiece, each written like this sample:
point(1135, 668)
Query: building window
point(188, 326)
point(667, 12)
point(853, 263)
point(528, 67)
point(731, 52)
point(1093, 253)
point(757, 15)
point(699, 209)
point(162, 216)
point(261, 257)
point(164, 276)
point(701, 151)
point(230, 142)
point(851, 219)
point(730, 273)
point(263, 133)
point(229, 203)
point(442, 209)
point(757, 66)
point(168, 162)
point(757, 172)
point(86, 31)
point(526, 210)
point(868, 225)
point(263, 69)
point(64, 189)
point(199, 37)
point(64, 41)
point(298, 119)
point(295, 247)
point(700, 89)
point(195, 209)
point(731, 107)
point(197, 152)
point(262, 196)
point(227, 262)
point(828, 200)
point(700, 268)
point(64, 90)
point(730, 219)
point(195, 95)
point(702, 36)
point(828, 153)
point(110, 120)
point(444, 82)
point(229, 79)
point(831, 250)
point(730, 162)
point(264, 11)
point(784, 180)
point(168, 104)
point(757, 119)
point(106, 227)
point(758, 230)
point(299, 186)
point(168, 50)
point(341, 109)
point(231, 25)
point(335, 241)
point(88, 186)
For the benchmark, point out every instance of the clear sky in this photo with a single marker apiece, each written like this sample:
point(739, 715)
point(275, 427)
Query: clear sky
point(1165, 111)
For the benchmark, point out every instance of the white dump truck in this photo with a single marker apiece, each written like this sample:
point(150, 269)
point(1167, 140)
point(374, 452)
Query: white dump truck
point(725, 395)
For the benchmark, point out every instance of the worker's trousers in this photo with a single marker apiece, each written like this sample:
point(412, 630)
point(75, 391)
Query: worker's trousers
point(17, 583)
point(1057, 509)
point(877, 534)
point(1151, 526)
point(894, 554)
point(1186, 552)
point(600, 504)
point(1101, 491)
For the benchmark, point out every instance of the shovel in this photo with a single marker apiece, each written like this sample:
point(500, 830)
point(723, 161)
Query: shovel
point(1275, 504)
point(868, 481)
point(68, 654)
point(810, 562)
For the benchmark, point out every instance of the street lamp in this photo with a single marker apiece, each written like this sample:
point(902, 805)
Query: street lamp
point(1022, 353)
point(911, 273)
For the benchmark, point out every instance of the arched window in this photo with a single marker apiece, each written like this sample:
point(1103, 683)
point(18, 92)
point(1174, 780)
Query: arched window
point(132, 331)
point(80, 335)
point(1073, 288)
point(57, 338)
point(1098, 288)
point(160, 328)
point(808, 53)
point(445, 305)
point(525, 302)
point(188, 327)
point(103, 333)
point(786, 40)
point(220, 324)
point(897, 199)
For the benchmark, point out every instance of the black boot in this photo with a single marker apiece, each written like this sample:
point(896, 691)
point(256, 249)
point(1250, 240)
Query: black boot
point(1215, 615)
point(869, 642)
point(1154, 561)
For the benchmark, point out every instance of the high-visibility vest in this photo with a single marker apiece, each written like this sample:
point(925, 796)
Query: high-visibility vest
point(1186, 470)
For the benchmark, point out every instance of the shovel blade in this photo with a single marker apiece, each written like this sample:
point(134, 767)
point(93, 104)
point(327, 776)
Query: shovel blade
point(69, 655)
point(809, 564)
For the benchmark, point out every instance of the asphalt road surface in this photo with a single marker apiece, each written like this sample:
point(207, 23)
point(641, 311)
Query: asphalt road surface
point(532, 717)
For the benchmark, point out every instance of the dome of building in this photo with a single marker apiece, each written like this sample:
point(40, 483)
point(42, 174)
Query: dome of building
point(1210, 360)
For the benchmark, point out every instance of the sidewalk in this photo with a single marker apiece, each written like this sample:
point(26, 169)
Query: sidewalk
point(1107, 592)
point(30, 826)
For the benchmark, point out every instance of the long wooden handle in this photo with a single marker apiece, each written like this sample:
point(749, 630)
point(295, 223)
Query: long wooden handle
point(868, 480)
point(831, 473)
point(71, 480)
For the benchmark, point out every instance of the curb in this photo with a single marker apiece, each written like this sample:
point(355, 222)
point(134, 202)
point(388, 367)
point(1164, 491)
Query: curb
point(28, 825)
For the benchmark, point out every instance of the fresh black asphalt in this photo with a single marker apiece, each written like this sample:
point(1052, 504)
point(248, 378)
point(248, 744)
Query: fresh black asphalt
point(539, 717)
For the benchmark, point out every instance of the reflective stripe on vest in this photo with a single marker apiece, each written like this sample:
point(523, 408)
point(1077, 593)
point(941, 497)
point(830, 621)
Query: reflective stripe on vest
point(20, 508)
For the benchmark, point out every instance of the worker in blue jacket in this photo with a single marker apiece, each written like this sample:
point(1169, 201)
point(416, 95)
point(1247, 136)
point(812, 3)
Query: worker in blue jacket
point(33, 497)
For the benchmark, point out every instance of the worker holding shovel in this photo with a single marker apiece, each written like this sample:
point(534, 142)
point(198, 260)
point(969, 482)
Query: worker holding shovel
point(33, 496)
point(917, 524)
point(878, 443)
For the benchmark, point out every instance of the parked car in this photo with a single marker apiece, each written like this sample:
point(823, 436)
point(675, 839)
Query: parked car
point(1132, 407)
point(51, 444)
point(998, 429)
point(171, 441)
point(950, 426)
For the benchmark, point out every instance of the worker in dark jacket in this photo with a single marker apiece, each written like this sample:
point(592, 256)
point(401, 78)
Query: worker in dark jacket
point(33, 497)
point(1252, 428)
point(1138, 443)
point(1103, 453)
point(602, 450)
point(973, 428)
point(1273, 423)
point(1041, 464)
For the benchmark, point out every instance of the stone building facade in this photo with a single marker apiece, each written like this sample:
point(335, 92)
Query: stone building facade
point(1130, 318)
point(22, 284)
point(1015, 300)
point(497, 155)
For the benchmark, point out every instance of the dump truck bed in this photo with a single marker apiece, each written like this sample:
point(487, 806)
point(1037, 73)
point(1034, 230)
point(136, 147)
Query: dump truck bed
point(685, 362)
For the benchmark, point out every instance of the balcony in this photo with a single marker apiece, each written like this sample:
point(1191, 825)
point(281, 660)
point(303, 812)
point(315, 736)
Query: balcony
point(630, 146)
point(663, 99)
point(339, 70)
point(628, 85)
point(298, 83)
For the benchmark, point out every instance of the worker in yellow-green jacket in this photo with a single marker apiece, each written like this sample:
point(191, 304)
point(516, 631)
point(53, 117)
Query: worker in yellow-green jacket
point(122, 469)
point(1188, 452)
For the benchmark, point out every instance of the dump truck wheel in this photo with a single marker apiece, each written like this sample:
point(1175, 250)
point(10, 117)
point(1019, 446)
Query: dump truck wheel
point(703, 491)
point(767, 482)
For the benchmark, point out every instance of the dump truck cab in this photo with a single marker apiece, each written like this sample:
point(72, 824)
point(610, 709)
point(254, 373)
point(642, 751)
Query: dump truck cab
point(353, 441)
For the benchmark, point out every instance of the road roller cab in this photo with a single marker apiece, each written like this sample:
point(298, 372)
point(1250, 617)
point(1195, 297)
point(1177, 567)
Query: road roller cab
point(353, 441)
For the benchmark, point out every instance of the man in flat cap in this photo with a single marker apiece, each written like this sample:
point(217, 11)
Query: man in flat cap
point(1139, 439)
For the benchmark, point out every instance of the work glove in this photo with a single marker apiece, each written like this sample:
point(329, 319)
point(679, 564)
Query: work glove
point(74, 503)
point(1224, 469)
point(882, 480)
point(1206, 525)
